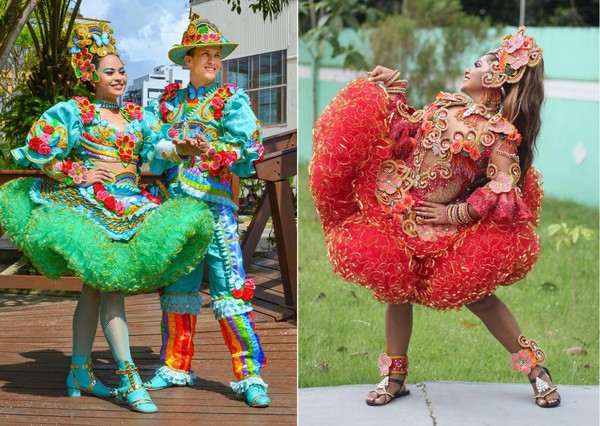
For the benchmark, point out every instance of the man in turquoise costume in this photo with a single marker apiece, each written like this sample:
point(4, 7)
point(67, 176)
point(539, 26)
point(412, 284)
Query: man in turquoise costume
point(220, 119)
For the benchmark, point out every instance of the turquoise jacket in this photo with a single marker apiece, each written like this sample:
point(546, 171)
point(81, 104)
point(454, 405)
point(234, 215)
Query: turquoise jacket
point(224, 116)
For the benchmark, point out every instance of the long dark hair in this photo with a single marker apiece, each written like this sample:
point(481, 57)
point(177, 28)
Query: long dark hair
point(522, 107)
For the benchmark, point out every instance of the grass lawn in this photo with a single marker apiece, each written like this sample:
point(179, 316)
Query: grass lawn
point(341, 326)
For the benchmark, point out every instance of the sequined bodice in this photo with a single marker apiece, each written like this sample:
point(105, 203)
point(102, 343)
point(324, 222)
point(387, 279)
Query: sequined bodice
point(452, 151)
point(102, 141)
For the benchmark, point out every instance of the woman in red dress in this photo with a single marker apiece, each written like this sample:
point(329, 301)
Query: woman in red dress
point(437, 206)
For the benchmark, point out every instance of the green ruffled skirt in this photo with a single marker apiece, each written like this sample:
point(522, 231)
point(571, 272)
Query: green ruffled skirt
point(169, 244)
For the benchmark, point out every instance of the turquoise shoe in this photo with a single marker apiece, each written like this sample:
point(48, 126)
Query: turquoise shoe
point(256, 396)
point(82, 379)
point(166, 377)
point(157, 383)
point(132, 390)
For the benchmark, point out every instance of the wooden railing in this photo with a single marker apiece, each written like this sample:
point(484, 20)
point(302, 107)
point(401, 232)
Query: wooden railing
point(277, 202)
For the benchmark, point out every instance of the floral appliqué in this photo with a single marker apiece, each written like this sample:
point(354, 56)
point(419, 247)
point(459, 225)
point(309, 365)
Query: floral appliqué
point(218, 101)
point(109, 202)
point(384, 363)
point(84, 69)
point(215, 159)
point(126, 143)
point(76, 173)
point(514, 53)
point(502, 182)
point(430, 232)
point(404, 204)
point(522, 362)
point(246, 293)
point(150, 197)
point(88, 110)
point(170, 92)
point(465, 146)
point(133, 111)
point(41, 143)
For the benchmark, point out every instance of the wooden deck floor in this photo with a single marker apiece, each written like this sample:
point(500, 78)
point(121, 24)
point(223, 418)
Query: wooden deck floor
point(35, 346)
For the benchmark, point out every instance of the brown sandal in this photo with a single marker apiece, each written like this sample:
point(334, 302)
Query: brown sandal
point(381, 389)
point(544, 389)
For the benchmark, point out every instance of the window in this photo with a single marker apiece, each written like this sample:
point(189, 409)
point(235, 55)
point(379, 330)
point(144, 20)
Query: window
point(264, 78)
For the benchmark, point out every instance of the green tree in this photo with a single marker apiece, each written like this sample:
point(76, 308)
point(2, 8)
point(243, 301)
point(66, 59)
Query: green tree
point(13, 16)
point(18, 62)
point(426, 42)
point(269, 8)
point(539, 13)
point(327, 19)
point(51, 78)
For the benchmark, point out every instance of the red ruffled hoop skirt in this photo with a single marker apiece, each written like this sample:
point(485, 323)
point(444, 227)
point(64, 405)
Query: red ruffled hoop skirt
point(351, 140)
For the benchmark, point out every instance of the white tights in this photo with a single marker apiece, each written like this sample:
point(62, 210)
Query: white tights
point(109, 307)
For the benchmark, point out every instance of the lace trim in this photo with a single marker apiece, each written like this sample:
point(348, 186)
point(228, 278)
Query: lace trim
point(241, 386)
point(176, 377)
point(181, 304)
point(228, 306)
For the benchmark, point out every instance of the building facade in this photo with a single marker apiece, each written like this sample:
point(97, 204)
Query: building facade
point(264, 64)
point(149, 87)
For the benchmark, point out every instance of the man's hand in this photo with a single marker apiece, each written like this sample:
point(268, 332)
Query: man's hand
point(192, 146)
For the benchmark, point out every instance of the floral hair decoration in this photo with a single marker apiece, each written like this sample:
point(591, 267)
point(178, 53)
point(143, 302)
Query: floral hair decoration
point(89, 40)
point(517, 52)
point(200, 33)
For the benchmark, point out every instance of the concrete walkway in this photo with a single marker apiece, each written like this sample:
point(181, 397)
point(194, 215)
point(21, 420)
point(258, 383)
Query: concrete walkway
point(448, 404)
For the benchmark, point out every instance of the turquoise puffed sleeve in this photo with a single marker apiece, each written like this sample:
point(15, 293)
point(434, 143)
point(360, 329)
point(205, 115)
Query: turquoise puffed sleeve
point(242, 132)
point(157, 151)
point(52, 137)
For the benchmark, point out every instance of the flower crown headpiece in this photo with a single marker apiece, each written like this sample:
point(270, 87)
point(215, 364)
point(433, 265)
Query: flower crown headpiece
point(89, 40)
point(516, 53)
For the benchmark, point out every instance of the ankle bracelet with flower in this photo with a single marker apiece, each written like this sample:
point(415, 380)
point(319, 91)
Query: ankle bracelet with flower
point(527, 358)
point(395, 364)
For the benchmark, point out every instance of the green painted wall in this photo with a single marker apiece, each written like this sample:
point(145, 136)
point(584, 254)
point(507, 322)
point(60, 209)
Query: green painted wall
point(569, 54)
point(567, 122)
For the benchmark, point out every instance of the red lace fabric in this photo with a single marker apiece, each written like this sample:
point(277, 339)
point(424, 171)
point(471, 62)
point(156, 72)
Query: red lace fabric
point(365, 240)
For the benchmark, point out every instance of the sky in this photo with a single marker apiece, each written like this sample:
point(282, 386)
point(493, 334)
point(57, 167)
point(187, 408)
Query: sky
point(144, 30)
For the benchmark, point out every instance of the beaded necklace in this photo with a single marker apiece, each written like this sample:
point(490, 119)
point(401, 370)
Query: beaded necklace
point(107, 104)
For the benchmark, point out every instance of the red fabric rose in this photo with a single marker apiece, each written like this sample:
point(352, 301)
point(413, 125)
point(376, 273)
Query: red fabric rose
point(110, 202)
point(48, 129)
point(35, 143)
point(218, 114)
point(237, 293)
point(87, 118)
point(249, 283)
point(66, 166)
point(229, 157)
point(102, 195)
point(98, 187)
point(247, 295)
point(45, 150)
point(217, 103)
point(119, 208)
